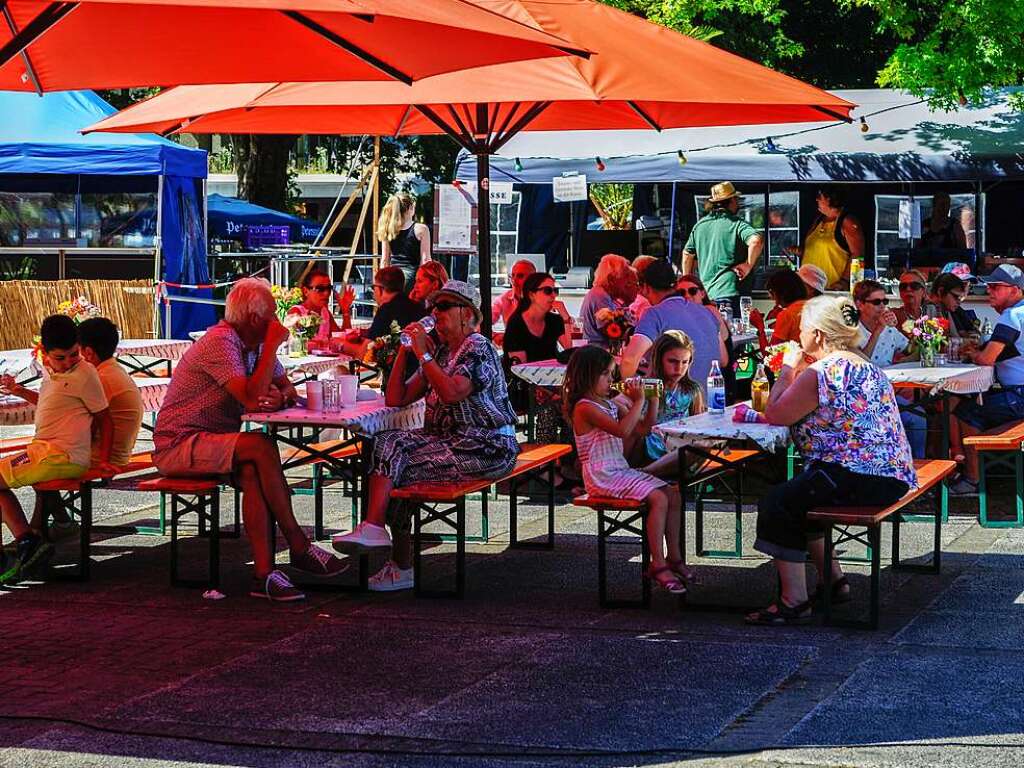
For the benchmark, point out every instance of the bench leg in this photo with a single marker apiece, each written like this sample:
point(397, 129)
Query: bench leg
point(174, 538)
point(826, 591)
point(874, 536)
point(85, 532)
point(460, 547)
point(606, 526)
point(318, 502)
point(212, 503)
point(551, 505)
point(513, 513)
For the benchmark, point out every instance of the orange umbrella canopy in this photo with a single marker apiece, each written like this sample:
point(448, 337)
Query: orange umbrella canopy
point(640, 76)
point(47, 46)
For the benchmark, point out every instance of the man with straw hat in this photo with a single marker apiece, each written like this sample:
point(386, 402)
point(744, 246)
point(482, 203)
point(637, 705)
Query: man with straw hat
point(717, 243)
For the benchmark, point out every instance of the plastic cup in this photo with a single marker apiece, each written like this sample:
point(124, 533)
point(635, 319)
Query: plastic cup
point(314, 396)
point(348, 387)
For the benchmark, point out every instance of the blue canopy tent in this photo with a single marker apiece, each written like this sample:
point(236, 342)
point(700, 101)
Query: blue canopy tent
point(40, 145)
point(227, 217)
point(901, 143)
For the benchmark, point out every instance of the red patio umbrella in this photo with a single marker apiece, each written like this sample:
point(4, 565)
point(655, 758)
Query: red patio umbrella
point(641, 76)
point(48, 46)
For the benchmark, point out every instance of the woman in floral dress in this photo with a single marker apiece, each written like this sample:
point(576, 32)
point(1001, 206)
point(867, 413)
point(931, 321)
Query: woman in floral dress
point(844, 420)
point(468, 430)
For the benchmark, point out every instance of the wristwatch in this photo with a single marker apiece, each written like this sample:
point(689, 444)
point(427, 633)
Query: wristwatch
point(426, 358)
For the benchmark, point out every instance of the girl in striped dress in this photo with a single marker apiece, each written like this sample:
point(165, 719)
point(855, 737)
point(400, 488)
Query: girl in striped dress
point(600, 425)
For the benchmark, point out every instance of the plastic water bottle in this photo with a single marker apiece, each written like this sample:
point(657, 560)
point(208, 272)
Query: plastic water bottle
point(716, 389)
point(428, 325)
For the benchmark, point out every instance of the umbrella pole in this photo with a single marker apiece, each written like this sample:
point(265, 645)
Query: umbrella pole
point(483, 238)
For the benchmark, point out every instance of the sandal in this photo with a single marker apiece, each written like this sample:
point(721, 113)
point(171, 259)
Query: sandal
point(667, 579)
point(685, 573)
point(782, 616)
point(840, 592)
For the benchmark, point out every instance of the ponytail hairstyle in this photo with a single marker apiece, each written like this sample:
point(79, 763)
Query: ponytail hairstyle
point(531, 284)
point(581, 374)
point(668, 342)
point(392, 215)
point(836, 318)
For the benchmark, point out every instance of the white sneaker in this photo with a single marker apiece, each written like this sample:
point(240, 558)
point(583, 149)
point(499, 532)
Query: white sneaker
point(365, 536)
point(391, 578)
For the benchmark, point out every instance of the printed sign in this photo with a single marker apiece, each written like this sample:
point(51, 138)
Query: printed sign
point(569, 188)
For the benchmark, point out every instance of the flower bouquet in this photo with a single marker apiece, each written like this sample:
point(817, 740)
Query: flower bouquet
point(928, 335)
point(303, 328)
point(774, 355)
point(617, 325)
point(79, 309)
point(285, 299)
point(383, 350)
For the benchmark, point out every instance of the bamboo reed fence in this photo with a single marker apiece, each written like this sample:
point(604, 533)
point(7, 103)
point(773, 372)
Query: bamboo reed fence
point(24, 304)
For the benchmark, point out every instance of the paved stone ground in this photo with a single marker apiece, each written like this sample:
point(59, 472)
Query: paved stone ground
point(527, 670)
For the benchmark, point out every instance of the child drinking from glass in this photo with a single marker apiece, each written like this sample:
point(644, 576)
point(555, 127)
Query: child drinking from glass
point(600, 425)
point(671, 356)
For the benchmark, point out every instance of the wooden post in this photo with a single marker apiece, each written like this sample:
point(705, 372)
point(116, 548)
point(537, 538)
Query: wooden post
point(374, 176)
point(363, 179)
point(376, 202)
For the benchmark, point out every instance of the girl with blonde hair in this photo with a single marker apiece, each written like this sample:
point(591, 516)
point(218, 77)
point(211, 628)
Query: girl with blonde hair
point(844, 420)
point(405, 243)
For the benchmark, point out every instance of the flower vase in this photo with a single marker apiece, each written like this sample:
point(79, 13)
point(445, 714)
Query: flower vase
point(296, 346)
point(927, 356)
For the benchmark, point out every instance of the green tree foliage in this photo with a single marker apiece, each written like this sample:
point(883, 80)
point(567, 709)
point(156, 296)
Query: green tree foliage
point(951, 50)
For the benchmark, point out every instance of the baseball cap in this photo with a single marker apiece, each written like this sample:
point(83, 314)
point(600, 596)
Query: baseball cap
point(1005, 273)
point(961, 270)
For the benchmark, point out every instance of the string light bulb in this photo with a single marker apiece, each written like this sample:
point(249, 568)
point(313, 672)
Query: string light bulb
point(600, 163)
point(770, 144)
point(456, 183)
point(864, 125)
point(681, 157)
point(518, 165)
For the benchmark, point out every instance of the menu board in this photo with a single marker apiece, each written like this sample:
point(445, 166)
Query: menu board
point(455, 218)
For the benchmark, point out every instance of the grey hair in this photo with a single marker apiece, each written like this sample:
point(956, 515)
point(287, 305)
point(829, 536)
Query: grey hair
point(836, 318)
point(249, 298)
point(611, 269)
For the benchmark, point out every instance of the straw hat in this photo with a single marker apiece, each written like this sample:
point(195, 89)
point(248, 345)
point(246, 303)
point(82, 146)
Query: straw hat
point(458, 292)
point(722, 191)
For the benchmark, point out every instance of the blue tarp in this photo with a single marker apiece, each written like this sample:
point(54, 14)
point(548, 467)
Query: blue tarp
point(905, 141)
point(226, 216)
point(40, 135)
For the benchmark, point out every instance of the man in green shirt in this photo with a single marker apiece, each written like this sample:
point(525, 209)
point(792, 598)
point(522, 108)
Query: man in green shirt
point(716, 244)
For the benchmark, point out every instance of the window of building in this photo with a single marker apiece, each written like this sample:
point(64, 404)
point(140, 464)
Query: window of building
point(887, 211)
point(504, 236)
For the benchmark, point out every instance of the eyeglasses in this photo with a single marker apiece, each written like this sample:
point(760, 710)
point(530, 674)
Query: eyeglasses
point(444, 306)
point(915, 286)
point(378, 286)
point(549, 290)
point(877, 302)
point(958, 296)
point(693, 290)
point(321, 288)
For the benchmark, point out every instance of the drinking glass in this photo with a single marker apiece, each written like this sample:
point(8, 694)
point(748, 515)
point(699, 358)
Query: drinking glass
point(331, 395)
point(954, 349)
point(746, 304)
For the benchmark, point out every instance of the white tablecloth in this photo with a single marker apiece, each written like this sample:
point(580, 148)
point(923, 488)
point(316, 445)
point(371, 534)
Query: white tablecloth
point(708, 426)
point(958, 378)
point(16, 412)
point(313, 365)
point(544, 373)
point(161, 349)
point(741, 339)
point(367, 417)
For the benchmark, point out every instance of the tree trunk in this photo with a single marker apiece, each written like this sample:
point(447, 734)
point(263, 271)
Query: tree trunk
point(262, 163)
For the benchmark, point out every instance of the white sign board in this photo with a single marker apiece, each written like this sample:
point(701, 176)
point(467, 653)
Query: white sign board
point(569, 188)
point(500, 193)
point(910, 219)
point(455, 216)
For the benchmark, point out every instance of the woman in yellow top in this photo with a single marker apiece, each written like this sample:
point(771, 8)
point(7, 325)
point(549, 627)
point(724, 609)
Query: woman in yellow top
point(834, 238)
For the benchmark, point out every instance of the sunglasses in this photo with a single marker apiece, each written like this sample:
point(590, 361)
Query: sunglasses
point(915, 286)
point(549, 290)
point(693, 290)
point(321, 288)
point(877, 302)
point(444, 306)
